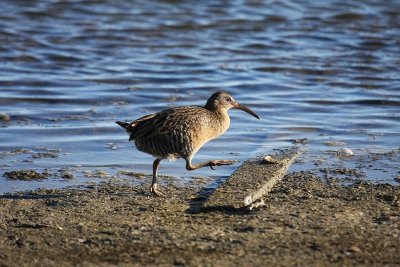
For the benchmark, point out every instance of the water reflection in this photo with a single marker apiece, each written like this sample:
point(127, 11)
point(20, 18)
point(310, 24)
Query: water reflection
point(317, 70)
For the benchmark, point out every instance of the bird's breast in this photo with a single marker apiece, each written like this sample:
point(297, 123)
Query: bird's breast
point(210, 129)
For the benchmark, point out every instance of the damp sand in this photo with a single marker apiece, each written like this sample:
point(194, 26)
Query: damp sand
point(305, 222)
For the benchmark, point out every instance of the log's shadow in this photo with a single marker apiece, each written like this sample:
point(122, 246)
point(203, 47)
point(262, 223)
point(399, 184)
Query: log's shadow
point(196, 205)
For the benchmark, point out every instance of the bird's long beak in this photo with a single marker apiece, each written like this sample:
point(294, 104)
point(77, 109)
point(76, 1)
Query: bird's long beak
point(246, 109)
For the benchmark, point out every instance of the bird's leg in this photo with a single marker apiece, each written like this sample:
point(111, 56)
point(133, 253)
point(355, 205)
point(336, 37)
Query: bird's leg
point(211, 164)
point(154, 186)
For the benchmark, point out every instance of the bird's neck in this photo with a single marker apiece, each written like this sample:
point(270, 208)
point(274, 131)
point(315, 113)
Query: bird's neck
point(222, 117)
point(210, 106)
point(219, 112)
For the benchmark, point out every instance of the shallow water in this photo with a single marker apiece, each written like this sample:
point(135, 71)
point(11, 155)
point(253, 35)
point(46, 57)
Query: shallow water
point(326, 71)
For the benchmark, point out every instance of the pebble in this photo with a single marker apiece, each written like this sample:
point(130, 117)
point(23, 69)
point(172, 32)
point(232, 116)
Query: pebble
point(4, 117)
point(112, 146)
point(353, 249)
point(345, 152)
point(334, 143)
point(269, 160)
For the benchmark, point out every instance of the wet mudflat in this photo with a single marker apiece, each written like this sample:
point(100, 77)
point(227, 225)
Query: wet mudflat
point(305, 222)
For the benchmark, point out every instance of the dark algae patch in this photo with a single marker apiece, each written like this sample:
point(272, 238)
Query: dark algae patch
point(26, 175)
point(44, 155)
point(306, 222)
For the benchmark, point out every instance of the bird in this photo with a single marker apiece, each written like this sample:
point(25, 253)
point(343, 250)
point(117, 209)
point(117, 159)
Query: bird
point(179, 132)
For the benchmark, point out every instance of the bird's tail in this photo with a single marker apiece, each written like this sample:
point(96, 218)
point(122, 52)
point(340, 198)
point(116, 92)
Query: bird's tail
point(122, 124)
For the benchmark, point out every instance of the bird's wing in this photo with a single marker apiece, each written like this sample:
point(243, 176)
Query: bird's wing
point(156, 124)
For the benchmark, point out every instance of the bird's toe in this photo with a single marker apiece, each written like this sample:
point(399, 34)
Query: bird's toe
point(222, 162)
point(154, 190)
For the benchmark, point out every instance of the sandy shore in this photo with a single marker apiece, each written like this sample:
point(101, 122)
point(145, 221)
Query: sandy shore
point(306, 222)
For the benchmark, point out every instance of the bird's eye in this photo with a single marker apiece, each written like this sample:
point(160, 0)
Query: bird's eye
point(229, 99)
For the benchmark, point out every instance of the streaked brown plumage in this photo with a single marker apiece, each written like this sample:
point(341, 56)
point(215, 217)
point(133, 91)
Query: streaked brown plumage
point(180, 132)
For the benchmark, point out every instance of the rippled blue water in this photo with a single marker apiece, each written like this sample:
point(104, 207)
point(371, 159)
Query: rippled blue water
point(322, 70)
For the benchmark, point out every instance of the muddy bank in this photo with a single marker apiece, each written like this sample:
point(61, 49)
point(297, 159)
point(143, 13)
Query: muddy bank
point(306, 222)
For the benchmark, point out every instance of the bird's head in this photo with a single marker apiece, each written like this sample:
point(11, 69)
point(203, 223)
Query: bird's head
point(224, 101)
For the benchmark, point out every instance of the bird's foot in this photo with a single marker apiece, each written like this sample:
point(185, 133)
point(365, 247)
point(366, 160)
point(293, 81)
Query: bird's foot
point(221, 162)
point(154, 190)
